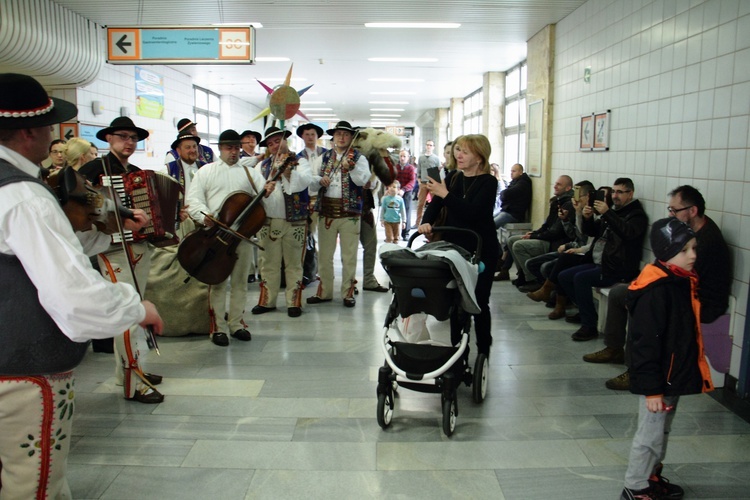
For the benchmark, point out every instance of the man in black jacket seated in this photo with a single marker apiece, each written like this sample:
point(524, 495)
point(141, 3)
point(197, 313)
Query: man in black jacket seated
point(615, 255)
point(515, 198)
point(550, 235)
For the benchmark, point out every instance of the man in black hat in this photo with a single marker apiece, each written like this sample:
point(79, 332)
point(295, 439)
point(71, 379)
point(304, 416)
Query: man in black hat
point(249, 140)
point(284, 232)
point(123, 137)
point(183, 169)
point(310, 134)
point(186, 126)
point(211, 186)
point(51, 300)
point(339, 179)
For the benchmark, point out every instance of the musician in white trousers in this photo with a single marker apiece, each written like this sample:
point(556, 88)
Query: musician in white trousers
point(209, 190)
point(123, 137)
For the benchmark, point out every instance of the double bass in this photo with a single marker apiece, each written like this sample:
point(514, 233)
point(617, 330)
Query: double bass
point(209, 254)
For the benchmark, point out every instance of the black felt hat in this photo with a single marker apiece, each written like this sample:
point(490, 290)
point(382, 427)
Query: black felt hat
point(122, 123)
point(668, 237)
point(272, 131)
point(185, 137)
point(25, 104)
point(184, 124)
point(255, 134)
point(229, 137)
point(310, 126)
point(342, 125)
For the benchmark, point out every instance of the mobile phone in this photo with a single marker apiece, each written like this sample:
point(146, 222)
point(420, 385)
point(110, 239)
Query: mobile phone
point(434, 174)
point(577, 193)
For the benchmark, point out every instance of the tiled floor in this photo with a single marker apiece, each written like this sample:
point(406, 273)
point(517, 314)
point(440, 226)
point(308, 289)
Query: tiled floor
point(292, 414)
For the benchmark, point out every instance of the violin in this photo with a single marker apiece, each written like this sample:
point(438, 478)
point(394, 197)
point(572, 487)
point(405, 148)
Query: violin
point(82, 204)
point(209, 254)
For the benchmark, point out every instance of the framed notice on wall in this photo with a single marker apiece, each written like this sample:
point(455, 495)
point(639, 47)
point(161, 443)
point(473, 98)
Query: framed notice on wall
point(586, 141)
point(601, 131)
point(534, 123)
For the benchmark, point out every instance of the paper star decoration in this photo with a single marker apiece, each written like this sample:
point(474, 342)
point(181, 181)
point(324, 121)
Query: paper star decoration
point(284, 102)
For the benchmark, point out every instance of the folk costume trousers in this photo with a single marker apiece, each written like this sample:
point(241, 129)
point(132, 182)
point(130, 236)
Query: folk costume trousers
point(345, 229)
point(285, 241)
point(36, 417)
point(217, 295)
point(114, 267)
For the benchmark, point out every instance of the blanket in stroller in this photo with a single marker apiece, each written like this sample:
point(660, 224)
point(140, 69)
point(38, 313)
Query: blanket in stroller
point(458, 259)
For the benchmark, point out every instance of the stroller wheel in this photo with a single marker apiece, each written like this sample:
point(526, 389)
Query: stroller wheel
point(449, 416)
point(481, 375)
point(385, 409)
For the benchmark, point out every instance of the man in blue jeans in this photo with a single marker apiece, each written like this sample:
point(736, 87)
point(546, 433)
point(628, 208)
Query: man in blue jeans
point(615, 255)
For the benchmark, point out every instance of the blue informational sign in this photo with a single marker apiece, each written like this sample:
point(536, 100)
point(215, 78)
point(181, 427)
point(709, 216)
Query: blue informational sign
point(180, 44)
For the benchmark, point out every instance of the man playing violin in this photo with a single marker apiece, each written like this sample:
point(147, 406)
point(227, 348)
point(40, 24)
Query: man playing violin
point(285, 230)
point(51, 299)
point(339, 178)
point(123, 137)
point(211, 186)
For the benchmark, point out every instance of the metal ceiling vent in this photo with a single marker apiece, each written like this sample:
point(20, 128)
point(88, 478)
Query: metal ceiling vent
point(58, 47)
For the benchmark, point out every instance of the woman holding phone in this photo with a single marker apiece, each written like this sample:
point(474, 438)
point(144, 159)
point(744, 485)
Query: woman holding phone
point(468, 195)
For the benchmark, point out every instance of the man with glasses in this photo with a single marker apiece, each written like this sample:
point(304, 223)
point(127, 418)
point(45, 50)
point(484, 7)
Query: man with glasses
point(615, 253)
point(123, 137)
point(210, 187)
point(712, 265)
point(427, 160)
point(56, 155)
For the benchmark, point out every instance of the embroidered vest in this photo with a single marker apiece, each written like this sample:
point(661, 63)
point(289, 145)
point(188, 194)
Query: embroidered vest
point(32, 343)
point(351, 194)
point(295, 204)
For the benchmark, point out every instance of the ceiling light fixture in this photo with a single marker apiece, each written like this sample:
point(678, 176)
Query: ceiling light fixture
point(387, 109)
point(400, 80)
point(402, 59)
point(388, 102)
point(392, 116)
point(413, 25)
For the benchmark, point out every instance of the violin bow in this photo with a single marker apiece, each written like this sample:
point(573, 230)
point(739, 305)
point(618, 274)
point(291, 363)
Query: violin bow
point(150, 337)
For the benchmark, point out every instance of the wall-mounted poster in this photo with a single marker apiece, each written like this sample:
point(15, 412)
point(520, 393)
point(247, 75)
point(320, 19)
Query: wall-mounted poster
point(601, 131)
point(149, 93)
point(586, 142)
point(534, 144)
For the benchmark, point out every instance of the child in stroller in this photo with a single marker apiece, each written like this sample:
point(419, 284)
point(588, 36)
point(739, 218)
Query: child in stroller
point(437, 279)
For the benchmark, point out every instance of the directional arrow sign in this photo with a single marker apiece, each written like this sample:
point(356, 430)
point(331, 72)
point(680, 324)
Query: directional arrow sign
point(181, 45)
point(68, 130)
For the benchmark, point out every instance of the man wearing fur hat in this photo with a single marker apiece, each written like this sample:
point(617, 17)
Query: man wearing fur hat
point(211, 186)
point(249, 141)
point(123, 137)
point(284, 232)
point(51, 300)
point(339, 179)
point(186, 126)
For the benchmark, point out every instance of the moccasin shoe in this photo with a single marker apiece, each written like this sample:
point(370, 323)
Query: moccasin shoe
point(317, 300)
point(242, 335)
point(151, 397)
point(294, 312)
point(220, 339)
point(606, 355)
point(262, 309)
point(349, 302)
point(152, 378)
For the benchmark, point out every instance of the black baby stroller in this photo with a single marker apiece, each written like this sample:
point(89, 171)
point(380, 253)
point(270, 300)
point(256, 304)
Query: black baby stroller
point(437, 279)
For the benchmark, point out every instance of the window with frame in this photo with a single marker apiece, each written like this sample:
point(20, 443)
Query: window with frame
point(207, 112)
point(472, 123)
point(515, 117)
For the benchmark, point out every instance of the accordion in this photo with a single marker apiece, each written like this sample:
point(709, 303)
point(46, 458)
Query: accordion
point(156, 194)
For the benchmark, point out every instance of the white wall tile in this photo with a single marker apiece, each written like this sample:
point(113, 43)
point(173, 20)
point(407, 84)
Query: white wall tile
point(727, 39)
point(720, 133)
point(722, 102)
point(738, 132)
point(736, 167)
point(740, 99)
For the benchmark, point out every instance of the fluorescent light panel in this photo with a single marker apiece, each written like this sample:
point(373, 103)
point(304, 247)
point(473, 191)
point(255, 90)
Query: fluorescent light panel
point(414, 25)
point(387, 109)
point(402, 59)
point(384, 115)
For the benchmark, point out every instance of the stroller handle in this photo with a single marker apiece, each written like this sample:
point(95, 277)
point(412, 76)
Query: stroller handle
point(453, 229)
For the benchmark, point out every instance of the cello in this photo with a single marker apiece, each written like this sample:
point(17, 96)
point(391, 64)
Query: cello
point(209, 254)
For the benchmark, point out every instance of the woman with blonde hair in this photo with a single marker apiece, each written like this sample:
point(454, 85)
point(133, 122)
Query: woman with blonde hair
point(78, 152)
point(468, 195)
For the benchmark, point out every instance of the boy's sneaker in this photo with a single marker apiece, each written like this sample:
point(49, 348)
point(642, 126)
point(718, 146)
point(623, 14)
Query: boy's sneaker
point(645, 494)
point(663, 487)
